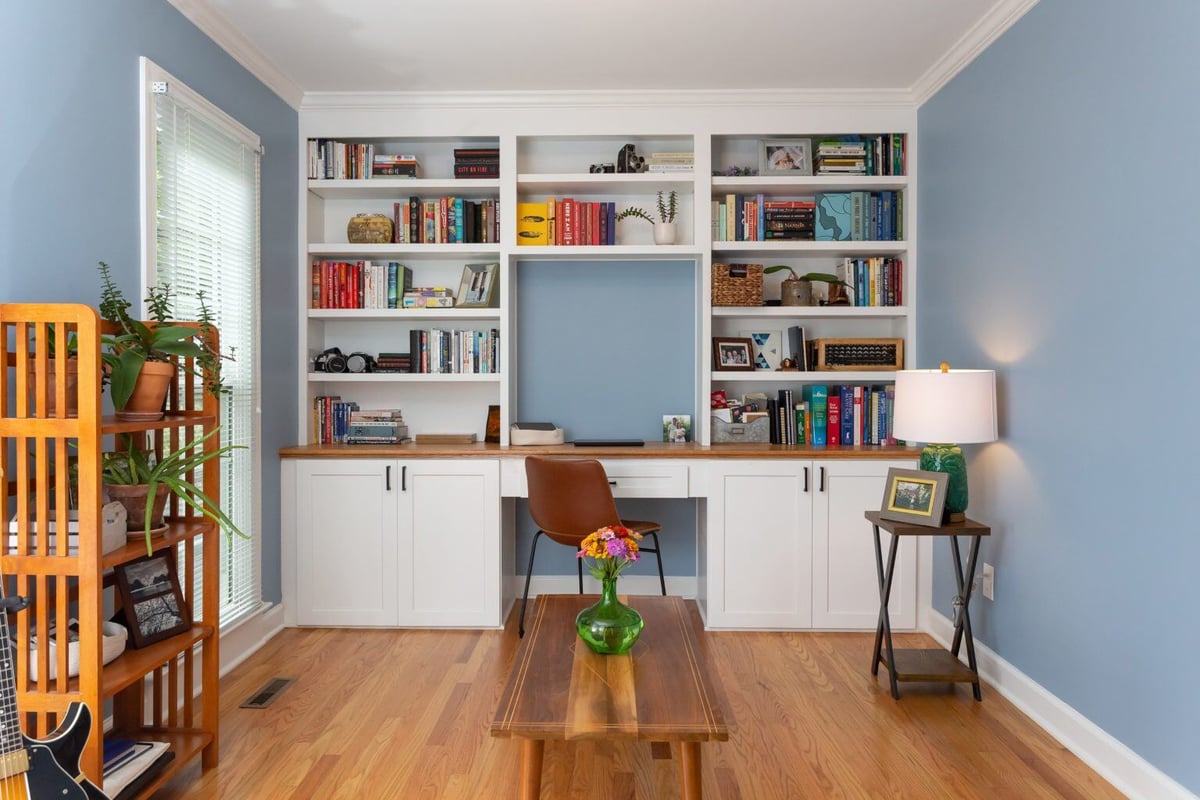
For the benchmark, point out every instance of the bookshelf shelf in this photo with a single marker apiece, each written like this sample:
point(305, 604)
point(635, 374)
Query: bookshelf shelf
point(446, 252)
point(617, 252)
point(404, 314)
point(803, 377)
point(605, 182)
point(811, 312)
point(396, 188)
point(805, 246)
point(401, 377)
point(807, 184)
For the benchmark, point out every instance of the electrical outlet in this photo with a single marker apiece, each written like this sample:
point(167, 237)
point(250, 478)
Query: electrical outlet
point(989, 581)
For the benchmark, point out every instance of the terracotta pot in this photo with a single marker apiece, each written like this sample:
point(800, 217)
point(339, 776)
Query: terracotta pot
point(51, 386)
point(146, 402)
point(134, 500)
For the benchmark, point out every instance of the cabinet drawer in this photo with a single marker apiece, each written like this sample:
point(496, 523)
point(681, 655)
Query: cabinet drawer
point(632, 478)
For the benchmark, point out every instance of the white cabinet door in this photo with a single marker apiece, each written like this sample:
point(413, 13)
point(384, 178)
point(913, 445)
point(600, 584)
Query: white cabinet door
point(345, 534)
point(759, 549)
point(449, 542)
point(845, 583)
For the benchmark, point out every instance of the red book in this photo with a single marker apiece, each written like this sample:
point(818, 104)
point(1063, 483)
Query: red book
point(833, 416)
point(568, 220)
point(595, 229)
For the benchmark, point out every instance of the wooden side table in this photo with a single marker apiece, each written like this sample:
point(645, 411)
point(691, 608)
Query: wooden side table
point(927, 664)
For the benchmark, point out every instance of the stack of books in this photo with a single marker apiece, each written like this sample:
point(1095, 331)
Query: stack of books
point(376, 426)
point(841, 158)
point(480, 162)
point(393, 362)
point(428, 297)
point(788, 219)
point(397, 166)
point(670, 162)
point(129, 766)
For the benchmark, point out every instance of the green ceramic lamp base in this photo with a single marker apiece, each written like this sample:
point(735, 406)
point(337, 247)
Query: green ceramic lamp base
point(948, 458)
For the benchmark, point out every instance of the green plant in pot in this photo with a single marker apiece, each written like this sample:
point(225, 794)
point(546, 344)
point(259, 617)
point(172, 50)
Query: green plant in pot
point(143, 483)
point(68, 351)
point(664, 225)
point(797, 290)
point(138, 358)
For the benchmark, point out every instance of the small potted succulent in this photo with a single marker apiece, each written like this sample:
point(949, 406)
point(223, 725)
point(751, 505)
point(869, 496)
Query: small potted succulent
point(664, 226)
point(797, 290)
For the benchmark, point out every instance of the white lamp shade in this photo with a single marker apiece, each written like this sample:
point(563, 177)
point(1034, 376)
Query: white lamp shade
point(953, 407)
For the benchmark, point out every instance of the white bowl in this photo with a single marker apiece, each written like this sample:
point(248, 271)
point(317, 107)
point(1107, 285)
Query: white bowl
point(113, 645)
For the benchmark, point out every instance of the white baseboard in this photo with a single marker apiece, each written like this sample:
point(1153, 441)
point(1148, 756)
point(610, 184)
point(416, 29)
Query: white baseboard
point(243, 640)
point(628, 584)
point(1116, 763)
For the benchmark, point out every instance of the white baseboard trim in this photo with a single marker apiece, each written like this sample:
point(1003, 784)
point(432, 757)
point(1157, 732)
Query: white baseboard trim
point(243, 640)
point(629, 584)
point(1115, 762)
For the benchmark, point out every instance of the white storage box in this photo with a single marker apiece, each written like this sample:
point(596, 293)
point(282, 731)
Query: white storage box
point(113, 533)
point(113, 645)
point(533, 436)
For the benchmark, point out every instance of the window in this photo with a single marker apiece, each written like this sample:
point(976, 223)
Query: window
point(201, 234)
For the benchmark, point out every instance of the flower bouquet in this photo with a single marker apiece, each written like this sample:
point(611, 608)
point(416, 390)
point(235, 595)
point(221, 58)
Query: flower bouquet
point(609, 627)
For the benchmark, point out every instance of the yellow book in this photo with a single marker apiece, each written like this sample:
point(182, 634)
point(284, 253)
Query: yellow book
point(531, 224)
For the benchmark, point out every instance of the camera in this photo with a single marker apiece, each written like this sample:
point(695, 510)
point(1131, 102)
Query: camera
point(629, 161)
point(333, 360)
point(602, 168)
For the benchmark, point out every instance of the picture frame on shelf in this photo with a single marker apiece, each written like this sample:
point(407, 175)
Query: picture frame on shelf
point(677, 428)
point(477, 289)
point(769, 349)
point(491, 431)
point(732, 354)
point(915, 496)
point(785, 157)
point(151, 598)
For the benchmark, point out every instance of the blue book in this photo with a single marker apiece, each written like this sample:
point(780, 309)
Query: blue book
point(833, 218)
point(846, 393)
point(817, 400)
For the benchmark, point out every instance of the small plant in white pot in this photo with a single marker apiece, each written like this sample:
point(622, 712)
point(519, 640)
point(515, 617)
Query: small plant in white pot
point(664, 226)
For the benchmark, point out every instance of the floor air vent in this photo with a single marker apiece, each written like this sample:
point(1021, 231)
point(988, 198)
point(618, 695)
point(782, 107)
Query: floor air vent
point(266, 695)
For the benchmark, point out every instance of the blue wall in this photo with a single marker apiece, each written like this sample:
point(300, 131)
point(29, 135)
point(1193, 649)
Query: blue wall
point(69, 192)
point(591, 321)
point(1058, 219)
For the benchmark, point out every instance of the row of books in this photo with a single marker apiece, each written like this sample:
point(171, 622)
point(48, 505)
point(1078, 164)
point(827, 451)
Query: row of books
point(359, 284)
point(756, 218)
point(440, 351)
point(446, 220)
point(566, 221)
point(330, 159)
point(477, 162)
point(882, 154)
point(823, 415)
point(860, 216)
point(877, 281)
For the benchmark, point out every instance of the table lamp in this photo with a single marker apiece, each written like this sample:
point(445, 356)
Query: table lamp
point(945, 408)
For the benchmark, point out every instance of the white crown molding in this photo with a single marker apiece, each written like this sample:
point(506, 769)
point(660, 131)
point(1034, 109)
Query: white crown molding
point(231, 40)
point(1131, 774)
point(965, 50)
point(624, 99)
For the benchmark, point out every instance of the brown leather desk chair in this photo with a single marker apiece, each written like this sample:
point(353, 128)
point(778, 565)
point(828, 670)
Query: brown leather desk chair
point(568, 499)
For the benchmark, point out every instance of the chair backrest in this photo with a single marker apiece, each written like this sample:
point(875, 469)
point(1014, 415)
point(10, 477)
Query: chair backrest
point(569, 497)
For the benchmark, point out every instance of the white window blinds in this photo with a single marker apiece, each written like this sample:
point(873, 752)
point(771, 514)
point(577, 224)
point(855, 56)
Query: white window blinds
point(203, 229)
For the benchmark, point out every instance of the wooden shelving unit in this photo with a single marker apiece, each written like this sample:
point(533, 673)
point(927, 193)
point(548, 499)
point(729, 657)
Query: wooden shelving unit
point(44, 423)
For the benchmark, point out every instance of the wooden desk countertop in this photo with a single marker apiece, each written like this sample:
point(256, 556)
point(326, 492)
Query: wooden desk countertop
point(666, 450)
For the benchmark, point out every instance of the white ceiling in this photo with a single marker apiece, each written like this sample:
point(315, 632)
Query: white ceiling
point(305, 46)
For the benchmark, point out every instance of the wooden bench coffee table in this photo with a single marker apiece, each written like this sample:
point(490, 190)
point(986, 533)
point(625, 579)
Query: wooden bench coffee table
point(660, 691)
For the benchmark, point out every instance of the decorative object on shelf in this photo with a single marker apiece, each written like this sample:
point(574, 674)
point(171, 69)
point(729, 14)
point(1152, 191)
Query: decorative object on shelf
point(664, 226)
point(737, 285)
point(857, 355)
point(602, 168)
point(491, 430)
point(334, 360)
point(735, 172)
point(629, 161)
point(732, 354)
point(151, 598)
point(946, 408)
point(677, 428)
point(609, 627)
point(768, 348)
point(914, 496)
point(797, 289)
point(133, 467)
point(477, 289)
point(113, 640)
point(785, 157)
point(138, 359)
point(364, 228)
point(789, 365)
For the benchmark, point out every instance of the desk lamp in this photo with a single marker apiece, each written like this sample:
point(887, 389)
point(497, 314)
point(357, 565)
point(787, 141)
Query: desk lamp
point(946, 408)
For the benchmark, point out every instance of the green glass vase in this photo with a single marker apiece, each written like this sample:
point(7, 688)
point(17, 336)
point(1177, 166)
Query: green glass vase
point(609, 627)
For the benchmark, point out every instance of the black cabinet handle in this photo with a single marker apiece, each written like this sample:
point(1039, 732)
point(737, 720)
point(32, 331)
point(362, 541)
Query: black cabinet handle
point(404, 478)
point(612, 483)
point(822, 487)
point(388, 478)
point(806, 480)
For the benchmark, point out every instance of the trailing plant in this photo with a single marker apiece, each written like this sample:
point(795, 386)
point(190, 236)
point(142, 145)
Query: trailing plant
point(667, 208)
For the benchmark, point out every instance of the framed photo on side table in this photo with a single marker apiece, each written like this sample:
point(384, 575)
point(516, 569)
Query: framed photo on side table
point(915, 496)
point(732, 354)
point(151, 598)
point(785, 157)
point(478, 286)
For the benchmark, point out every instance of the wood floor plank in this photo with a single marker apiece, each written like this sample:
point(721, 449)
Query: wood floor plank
point(405, 714)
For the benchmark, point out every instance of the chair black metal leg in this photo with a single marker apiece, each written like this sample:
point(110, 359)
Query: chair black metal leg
point(579, 569)
point(528, 576)
point(662, 579)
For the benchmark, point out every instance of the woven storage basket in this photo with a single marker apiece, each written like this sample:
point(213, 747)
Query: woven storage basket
point(737, 284)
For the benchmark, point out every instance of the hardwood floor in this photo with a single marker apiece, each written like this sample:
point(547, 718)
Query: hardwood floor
point(405, 714)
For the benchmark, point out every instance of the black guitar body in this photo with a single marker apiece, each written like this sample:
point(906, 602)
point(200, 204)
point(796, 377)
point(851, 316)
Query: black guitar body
point(54, 761)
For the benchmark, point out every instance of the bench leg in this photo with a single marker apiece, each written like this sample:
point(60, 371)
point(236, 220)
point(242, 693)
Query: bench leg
point(531, 769)
point(689, 770)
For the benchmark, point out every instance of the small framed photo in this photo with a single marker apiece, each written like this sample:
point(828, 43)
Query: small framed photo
point(491, 432)
point(152, 598)
point(915, 496)
point(677, 428)
point(478, 286)
point(768, 349)
point(785, 157)
point(732, 355)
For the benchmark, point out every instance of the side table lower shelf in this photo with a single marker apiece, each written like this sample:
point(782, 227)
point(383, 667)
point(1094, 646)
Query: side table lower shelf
point(928, 665)
point(186, 745)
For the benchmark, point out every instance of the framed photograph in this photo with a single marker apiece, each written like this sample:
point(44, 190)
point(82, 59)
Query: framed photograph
point(491, 433)
point(769, 350)
point(732, 355)
point(785, 157)
point(151, 598)
point(478, 286)
point(677, 428)
point(915, 496)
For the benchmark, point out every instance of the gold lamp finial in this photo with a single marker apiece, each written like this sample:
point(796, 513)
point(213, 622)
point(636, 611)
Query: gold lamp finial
point(945, 366)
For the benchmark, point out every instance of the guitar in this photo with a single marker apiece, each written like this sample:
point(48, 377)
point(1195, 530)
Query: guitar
point(39, 769)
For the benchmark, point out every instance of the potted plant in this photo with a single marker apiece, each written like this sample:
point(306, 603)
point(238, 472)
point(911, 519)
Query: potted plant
point(664, 226)
point(139, 361)
point(142, 483)
point(67, 352)
point(797, 290)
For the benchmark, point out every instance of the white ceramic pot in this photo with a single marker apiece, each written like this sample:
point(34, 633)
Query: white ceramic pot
point(664, 233)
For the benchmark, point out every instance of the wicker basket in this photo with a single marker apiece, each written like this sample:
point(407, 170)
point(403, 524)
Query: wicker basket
point(737, 284)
